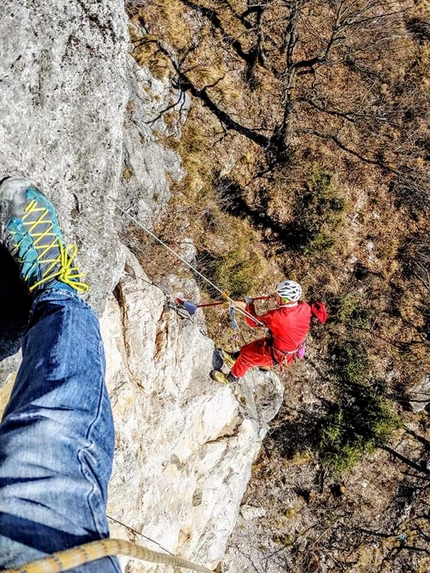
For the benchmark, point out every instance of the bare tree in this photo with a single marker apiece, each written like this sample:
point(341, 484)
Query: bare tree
point(343, 71)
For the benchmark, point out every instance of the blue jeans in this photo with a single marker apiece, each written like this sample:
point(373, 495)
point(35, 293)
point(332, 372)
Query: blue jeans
point(56, 437)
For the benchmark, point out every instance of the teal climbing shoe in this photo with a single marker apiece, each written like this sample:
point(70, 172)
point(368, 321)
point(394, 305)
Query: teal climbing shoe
point(30, 231)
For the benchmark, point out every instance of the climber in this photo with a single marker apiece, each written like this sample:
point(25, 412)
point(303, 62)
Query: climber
point(288, 325)
point(57, 435)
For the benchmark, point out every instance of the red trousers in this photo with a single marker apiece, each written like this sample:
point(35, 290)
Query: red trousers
point(258, 353)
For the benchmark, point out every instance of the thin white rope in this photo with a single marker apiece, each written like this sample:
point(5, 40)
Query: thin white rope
point(169, 249)
point(178, 256)
point(132, 530)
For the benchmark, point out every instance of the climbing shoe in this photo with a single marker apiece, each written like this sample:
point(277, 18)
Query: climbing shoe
point(30, 231)
point(222, 378)
point(227, 358)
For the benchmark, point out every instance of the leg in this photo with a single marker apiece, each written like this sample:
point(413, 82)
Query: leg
point(56, 438)
point(256, 353)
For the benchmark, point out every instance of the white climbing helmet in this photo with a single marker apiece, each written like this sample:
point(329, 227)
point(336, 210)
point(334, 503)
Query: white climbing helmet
point(290, 290)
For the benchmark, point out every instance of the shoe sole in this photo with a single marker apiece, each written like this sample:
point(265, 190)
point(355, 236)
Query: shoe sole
point(219, 377)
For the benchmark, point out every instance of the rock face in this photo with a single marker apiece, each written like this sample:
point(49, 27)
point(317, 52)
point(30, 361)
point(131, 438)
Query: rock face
point(185, 444)
point(147, 163)
point(62, 99)
point(420, 394)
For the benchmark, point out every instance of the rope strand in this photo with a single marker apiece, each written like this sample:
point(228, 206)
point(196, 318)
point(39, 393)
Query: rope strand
point(89, 552)
point(139, 224)
point(178, 256)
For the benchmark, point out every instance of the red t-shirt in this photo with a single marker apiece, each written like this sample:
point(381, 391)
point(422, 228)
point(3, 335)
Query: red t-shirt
point(289, 325)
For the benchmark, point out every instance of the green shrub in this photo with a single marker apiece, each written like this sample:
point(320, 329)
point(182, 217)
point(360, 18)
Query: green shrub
point(351, 313)
point(361, 418)
point(361, 421)
point(352, 362)
point(236, 271)
point(322, 215)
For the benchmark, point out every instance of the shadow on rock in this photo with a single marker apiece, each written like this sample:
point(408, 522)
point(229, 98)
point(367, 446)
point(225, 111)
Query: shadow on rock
point(14, 307)
point(217, 361)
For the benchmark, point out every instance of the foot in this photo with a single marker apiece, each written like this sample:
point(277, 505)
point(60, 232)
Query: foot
point(30, 231)
point(227, 358)
point(222, 378)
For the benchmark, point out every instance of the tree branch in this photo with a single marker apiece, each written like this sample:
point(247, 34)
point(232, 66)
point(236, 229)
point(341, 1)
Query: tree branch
point(350, 116)
point(347, 149)
point(249, 57)
point(405, 460)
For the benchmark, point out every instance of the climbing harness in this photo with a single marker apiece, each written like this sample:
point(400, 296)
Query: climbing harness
point(76, 556)
point(298, 352)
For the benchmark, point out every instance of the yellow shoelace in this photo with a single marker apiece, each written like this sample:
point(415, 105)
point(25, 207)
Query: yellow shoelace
point(66, 273)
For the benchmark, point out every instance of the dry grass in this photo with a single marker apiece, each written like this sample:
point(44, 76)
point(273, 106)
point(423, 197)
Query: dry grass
point(238, 212)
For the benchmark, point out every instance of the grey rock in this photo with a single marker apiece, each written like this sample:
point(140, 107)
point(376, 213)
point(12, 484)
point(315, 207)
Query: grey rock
point(420, 394)
point(148, 162)
point(249, 512)
point(62, 100)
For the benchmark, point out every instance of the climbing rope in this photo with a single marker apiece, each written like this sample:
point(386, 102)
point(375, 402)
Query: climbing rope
point(174, 253)
point(191, 267)
point(76, 556)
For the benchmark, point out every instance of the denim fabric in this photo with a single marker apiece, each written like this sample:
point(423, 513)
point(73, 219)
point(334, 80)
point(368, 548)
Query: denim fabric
point(56, 437)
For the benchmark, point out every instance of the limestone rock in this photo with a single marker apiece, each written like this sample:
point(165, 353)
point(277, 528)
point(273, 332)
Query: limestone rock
point(420, 394)
point(184, 444)
point(62, 100)
point(249, 512)
point(147, 162)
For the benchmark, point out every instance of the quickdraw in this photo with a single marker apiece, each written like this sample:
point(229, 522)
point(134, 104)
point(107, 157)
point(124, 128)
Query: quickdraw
point(234, 325)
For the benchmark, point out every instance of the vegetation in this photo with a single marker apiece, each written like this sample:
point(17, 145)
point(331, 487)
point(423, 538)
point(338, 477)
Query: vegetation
point(317, 227)
point(306, 148)
point(360, 421)
point(350, 312)
point(236, 271)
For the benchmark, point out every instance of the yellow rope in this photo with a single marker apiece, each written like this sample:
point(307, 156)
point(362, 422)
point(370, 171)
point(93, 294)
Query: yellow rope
point(70, 558)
